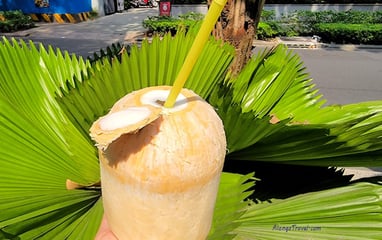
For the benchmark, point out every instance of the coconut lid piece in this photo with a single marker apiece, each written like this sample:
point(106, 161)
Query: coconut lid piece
point(129, 120)
point(132, 113)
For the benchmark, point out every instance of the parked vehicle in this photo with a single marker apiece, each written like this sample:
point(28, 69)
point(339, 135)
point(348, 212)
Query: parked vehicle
point(143, 3)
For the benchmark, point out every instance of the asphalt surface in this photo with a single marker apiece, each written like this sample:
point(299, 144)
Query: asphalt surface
point(87, 37)
point(344, 74)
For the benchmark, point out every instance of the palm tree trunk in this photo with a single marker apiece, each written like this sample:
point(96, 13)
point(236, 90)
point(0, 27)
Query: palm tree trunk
point(238, 25)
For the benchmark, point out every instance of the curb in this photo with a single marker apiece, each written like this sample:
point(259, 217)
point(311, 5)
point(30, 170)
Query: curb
point(61, 18)
point(350, 47)
point(346, 47)
point(307, 43)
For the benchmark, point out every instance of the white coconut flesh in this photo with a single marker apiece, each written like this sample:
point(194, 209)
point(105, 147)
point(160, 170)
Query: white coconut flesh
point(124, 118)
point(156, 98)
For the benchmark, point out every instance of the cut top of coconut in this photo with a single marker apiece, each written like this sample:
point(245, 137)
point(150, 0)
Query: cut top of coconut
point(129, 120)
point(136, 110)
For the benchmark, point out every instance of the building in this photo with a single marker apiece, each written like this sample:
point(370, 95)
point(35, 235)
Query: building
point(61, 10)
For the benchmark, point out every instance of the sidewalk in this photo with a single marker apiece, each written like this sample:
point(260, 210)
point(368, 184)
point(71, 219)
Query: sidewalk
point(310, 43)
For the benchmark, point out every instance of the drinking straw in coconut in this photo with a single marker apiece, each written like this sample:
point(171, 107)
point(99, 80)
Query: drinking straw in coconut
point(196, 48)
point(161, 166)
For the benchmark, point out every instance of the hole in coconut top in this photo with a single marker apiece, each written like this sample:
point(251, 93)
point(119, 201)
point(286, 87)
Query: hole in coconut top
point(124, 118)
point(157, 98)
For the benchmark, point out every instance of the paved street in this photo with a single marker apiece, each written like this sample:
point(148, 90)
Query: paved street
point(345, 76)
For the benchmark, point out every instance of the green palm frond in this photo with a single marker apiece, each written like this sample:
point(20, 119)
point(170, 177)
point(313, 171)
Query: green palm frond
point(234, 189)
point(351, 212)
point(349, 112)
point(41, 148)
point(51, 214)
point(242, 129)
point(273, 77)
point(274, 86)
point(44, 143)
point(29, 83)
point(115, 51)
point(155, 63)
point(247, 102)
point(352, 143)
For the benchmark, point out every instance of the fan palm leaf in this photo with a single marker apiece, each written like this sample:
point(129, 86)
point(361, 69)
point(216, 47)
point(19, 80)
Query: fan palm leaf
point(351, 212)
point(276, 92)
point(230, 204)
point(28, 93)
point(45, 144)
point(41, 149)
point(51, 214)
point(161, 61)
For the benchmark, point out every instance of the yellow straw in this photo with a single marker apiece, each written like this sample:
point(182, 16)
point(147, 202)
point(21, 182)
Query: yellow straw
point(196, 48)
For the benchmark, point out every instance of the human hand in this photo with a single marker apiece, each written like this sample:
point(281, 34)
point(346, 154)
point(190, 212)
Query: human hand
point(104, 232)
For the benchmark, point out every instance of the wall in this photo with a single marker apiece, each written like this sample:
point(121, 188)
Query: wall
point(179, 9)
point(285, 8)
point(98, 6)
point(280, 9)
point(55, 6)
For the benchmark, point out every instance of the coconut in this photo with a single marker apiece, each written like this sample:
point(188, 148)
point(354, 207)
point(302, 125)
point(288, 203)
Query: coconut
point(160, 167)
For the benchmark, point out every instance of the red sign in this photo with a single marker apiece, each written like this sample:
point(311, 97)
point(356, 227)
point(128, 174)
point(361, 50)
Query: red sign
point(164, 8)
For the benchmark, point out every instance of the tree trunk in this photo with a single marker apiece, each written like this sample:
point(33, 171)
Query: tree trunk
point(238, 25)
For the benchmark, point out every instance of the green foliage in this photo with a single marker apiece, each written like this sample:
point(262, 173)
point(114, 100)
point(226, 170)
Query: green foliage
point(351, 212)
point(333, 26)
point(112, 52)
point(305, 21)
point(48, 99)
point(330, 16)
point(269, 27)
point(163, 24)
point(14, 20)
point(350, 33)
point(305, 132)
point(268, 15)
point(264, 31)
point(126, 73)
point(233, 189)
point(41, 148)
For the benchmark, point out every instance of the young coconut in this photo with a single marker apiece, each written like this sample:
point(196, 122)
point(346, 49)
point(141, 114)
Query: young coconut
point(160, 167)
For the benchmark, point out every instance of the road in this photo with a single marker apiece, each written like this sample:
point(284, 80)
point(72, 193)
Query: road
point(345, 76)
